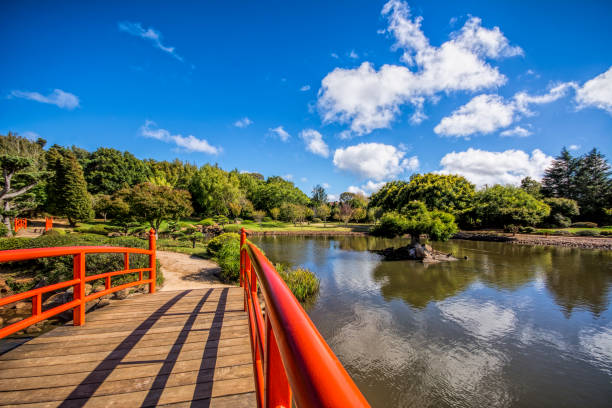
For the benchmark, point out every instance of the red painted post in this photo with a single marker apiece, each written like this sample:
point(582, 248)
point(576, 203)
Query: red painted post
point(36, 304)
point(278, 391)
point(152, 262)
point(78, 313)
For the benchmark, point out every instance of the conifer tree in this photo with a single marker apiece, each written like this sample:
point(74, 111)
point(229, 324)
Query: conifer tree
point(593, 186)
point(558, 179)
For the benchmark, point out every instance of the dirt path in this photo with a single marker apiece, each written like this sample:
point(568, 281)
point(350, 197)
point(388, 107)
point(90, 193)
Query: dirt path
point(183, 271)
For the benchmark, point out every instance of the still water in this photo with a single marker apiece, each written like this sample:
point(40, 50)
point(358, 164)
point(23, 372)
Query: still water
point(511, 326)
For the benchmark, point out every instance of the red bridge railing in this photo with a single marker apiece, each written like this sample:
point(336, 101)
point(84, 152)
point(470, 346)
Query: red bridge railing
point(48, 223)
point(78, 282)
point(291, 360)
point(20, 223)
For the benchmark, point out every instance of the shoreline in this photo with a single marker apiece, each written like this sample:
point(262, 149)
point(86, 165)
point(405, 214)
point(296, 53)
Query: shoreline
point(538, 240)
point(305, 233)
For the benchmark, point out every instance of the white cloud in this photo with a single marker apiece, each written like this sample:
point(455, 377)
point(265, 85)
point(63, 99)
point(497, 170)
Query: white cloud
point(597, 92)
point(516, 131)
point(190, 143)
point(368, 188)
point(597, 343)
point(314, 142)
point(325, 185)
point(280, 132)
point(483, 114)
point(305, 88)
point(353, 54)
point(288, 177)
point(376, 161)
point(150, 34)
point(481, 319)
point(488, 113)
point(30, 135)
point(574, 147)
point(370, 99)
point(303, 179)
point(59, 98)
point(244, 122)
point(483, 167)
point(332, 197)
point(334, 55)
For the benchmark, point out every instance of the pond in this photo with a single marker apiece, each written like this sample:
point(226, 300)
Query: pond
point(511, 326)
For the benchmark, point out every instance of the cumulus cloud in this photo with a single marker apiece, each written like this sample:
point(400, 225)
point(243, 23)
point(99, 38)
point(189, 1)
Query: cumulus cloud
point(369, 99)
point(59, 98)
point(149, 34)
point(481, 319)
point(244, 122)
point(508, 167)
point(280, 133)
point(375, 161)
point(574, 147)
point(325, 185)
point(597, 92)
point(30, 135)
point(353, 54)
point(488, 113)
point(368, 188)
point(305, 88)
point(516, 131)
point(314, 142)
point(189, 143)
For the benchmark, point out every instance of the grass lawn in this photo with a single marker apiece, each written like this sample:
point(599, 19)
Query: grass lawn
point(573, 230)
point(287, 226)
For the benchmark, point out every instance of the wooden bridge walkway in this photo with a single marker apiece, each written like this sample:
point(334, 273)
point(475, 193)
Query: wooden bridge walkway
point(181, 348)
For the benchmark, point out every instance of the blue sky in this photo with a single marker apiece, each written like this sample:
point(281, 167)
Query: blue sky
point(347, 94)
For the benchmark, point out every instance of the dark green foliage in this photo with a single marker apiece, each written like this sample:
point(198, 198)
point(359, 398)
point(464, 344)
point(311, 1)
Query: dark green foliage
point(215, 244)
point(563, 206)
point(532, 186)
point(503, 205)
point(4, 231)
point(109, 170)
point(277, 191)
point(592, 185)
point(319, 196)
point(560, 220)
point(558, 179)
point(415, 220)
point(214, 191)
point(67, 189)
point(587, 233)
point(584, 224)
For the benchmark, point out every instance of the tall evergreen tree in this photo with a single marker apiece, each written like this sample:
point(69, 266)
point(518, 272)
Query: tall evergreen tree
point(67, 189)
point(558, 179)
point(592, 185)
point(319, 195)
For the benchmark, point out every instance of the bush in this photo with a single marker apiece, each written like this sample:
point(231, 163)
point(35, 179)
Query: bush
point(527, 230)
point(215, 244)
point(511, 228)
point(54, 232)
point(248, 222)
point(94, 229)
point(229, 260)
point(302, 282)
point(605, 233)
point(267, 219)
point(3, 230)
point(207, 222)
point(584, 224)
point(391, 225)
point(317, 220)
point(232, 228)
point(560, 220)
point(587, 233)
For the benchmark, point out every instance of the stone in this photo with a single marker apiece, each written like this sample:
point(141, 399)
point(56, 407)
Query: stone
point(122, 294)
point(1, 321)
point(13, 320)
point(5, 289)
point(33, 330)
point(419, 252)
point(99, 288)
point(88, 289)
point(428, 248)
point(24, 306)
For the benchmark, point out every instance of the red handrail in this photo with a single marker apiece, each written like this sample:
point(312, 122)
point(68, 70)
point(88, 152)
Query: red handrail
point(290, 357)
point(48, 223)
point(20, 223)
point(78, 282)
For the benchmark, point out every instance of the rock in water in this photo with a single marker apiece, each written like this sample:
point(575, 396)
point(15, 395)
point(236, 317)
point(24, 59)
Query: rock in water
point(417, 252)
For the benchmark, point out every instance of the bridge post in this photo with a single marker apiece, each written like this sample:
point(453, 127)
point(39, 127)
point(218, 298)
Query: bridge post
point(152, 261)
point(78, 313)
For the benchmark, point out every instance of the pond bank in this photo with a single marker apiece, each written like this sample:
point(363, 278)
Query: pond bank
point(307, 233)
point(531, 239)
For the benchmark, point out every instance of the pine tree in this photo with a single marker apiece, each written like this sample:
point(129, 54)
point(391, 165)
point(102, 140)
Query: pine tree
point(558, 179)
point(592, 185)
point(67, 189)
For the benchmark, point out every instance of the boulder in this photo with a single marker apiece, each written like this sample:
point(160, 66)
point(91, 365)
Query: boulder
point(419, 252)
point(122, 294)
point(5, 289)
point(88, 289)
point(24, 306)
point(33, 330)
point(13, 320)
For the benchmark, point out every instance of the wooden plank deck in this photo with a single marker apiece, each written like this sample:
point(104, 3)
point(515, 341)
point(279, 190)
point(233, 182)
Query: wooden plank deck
point(179, 348)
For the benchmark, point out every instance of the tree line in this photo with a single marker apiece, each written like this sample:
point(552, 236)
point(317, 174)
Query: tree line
point(78, 184)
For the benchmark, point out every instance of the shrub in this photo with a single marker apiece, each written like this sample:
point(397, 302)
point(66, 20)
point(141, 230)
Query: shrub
point(267, 219)
point(317, 220)
point(391, 225)
point(563, 206)
point(3, 230)
point(229, 260)
point(54, 232)
point(605, 233)
point(511, 228)
point(232, 228)
point(527, 230)
point(587, 233)
point(221, 219)
point(560, 220)
point(248, 222)
point(94, 229)
point(302, 282)
point(207, 222)
point(215, 244)
point(584, 224)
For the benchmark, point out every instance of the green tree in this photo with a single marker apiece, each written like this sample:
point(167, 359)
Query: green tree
point(592, 185)
point(276, 191)
point(67, 188)
point(416, 220)
point(213, 190)
point(323, 212)
point(109, 170)
point(319, 196)
point(155, 204)
point(360, 214)
point(504, 205)
point(532, 186)
point(558, 179)
point(275, 213)
point(23, 167)
point(175, 173)
point(102, 204)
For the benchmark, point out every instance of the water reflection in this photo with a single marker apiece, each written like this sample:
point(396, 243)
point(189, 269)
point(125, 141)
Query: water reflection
point(510, 326)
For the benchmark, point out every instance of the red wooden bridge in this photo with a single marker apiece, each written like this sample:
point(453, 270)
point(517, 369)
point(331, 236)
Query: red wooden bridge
point(207, 347)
